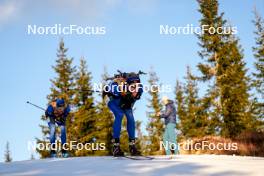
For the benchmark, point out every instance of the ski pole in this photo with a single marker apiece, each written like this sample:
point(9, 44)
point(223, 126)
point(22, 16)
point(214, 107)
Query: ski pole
point(85, 90)
point(36, 106)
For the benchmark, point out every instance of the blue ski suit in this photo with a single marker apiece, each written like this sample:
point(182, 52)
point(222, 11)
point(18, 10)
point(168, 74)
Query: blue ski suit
point(60, 121)
point(121, 106)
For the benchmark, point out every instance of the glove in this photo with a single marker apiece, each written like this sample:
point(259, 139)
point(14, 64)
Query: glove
point(60, 119)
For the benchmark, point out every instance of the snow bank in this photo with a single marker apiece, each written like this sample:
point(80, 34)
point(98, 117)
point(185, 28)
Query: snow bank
point(103, 166)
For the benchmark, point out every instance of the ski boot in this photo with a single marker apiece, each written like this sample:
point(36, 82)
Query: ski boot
point(116, 148)
point(53, 154)
point(132, 148)
point(64, 154)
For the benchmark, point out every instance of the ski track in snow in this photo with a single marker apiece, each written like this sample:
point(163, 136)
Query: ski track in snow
point(213, 165)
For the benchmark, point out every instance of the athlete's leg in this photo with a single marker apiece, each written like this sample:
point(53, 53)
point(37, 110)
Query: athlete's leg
point(130, 123)
point(118, 113)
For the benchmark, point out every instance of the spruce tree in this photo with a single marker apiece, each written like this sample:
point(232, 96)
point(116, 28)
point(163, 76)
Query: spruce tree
point(210, 43)
point(258, 75)
point(233, 86)
point(258, 81)
point(211, 53)
point(191, 100)
point(211, 110)
point(224, 66)
point(62, 86)
point(104, 121)
point(85, 115)
point(197, 121)
point(190, 108)
point(155, 125)
point(183, 124)
point(7, 153)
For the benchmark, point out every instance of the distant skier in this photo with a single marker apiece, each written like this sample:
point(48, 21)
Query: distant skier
point(123, 92)
point(169, 115)
point(57, 112)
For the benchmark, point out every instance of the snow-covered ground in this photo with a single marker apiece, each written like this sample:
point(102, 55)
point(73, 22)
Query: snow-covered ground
point(213, 165)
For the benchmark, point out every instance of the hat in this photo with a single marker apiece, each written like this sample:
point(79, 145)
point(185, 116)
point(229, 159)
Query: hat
point(60, 103)
point(165, 100)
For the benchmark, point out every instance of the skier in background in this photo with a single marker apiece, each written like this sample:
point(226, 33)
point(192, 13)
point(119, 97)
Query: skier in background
point(57, 112)
point(169, 115)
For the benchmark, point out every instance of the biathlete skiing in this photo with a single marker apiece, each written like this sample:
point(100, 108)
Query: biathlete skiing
point(57, 113)
point(123, 91)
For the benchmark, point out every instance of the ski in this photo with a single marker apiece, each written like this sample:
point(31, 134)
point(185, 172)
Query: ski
point(148, 158)
point(139, 157)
